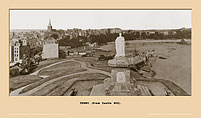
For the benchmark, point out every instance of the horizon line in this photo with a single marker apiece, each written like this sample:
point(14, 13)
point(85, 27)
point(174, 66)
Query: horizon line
point(101, 28)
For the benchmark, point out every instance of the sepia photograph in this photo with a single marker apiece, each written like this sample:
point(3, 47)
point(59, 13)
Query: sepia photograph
point(100, 52)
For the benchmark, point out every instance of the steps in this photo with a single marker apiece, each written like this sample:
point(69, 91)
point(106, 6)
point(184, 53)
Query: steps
point(144, 90)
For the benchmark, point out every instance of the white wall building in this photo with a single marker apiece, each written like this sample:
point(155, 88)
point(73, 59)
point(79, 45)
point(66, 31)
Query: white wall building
point(17, 52)
point(50, 46)
point(50, 49)
point(24, 42)
point(165, 33)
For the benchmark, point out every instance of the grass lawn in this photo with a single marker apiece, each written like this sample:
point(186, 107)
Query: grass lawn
point(93, 63)
point(61, 68)
point(19, 81)
point(54, 72)
point(46, 63)
point(22, 80)
point(61, 87)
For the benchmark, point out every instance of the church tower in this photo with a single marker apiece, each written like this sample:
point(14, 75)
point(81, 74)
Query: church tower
point(49, 27)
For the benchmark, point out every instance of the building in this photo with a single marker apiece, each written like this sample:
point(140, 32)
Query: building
point(18, 49)
point(16, 52)
point(50, 45)
point(49, 27)
point(151, 32)
point(115, 30)
point(50, 48)
point(165, 33)
point(174, 32)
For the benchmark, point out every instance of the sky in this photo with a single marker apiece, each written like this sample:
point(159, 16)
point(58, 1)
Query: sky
point(99, 19)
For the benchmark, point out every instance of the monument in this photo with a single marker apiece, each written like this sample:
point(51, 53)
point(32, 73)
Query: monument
point(120, 82)
point(120, 74)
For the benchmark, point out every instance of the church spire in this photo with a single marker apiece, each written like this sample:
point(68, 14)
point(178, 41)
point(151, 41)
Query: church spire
point(49, 22)
point(49, 27)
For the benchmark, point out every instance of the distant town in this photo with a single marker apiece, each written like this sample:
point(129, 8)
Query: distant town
point(31, 42)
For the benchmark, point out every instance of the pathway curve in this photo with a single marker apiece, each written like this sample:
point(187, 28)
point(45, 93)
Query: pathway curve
point(83, 65)
point(36, 72)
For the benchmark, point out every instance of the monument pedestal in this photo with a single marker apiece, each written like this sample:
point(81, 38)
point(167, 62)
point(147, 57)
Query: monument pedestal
point(118, 62)
point(121, 78)
point(119, 84)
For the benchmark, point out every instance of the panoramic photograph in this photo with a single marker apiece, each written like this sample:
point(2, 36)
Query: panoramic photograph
point(100, 52)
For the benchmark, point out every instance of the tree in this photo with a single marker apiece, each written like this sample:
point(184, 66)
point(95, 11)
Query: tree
point(55, 36)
